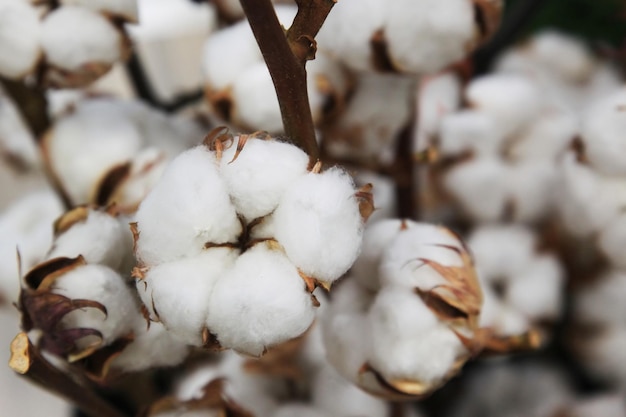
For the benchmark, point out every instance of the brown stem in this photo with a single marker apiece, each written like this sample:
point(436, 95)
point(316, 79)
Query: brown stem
point(27, 361)
point(31, 103)
point(407, 194)
point(286, 56)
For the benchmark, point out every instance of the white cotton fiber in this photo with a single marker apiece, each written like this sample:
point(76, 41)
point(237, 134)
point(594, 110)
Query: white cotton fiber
point(612, 241)
point(261, 302)
point(376, 240)
point(480, 186)
point(261, 173)
point(16, 139)
point(152, 347)
point(73, 37)
point(403, 262)
point(469, 130)
point(346, 348)
point(448, 24)
point(319, 224)
point(104, 285)
point(20, 37)
point(408, 341)
point(177, 293)
point(603, 129)
point(188, 208)
point(100, 239)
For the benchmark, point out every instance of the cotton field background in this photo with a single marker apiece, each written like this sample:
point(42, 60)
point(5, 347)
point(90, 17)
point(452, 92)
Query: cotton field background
point(316, 208)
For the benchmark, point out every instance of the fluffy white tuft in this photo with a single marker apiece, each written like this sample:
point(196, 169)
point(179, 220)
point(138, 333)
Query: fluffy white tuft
point(20, 37)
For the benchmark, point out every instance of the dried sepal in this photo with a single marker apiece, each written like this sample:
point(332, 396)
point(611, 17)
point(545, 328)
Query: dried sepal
point(70, 218)
point(42, 276)
point(487, 15)
point(109, 184)
point(381, 59)
point(366, 201)
point(281, 361)
point(210, 341)
point(97, 366)
point(213, 398)
point(218, 140)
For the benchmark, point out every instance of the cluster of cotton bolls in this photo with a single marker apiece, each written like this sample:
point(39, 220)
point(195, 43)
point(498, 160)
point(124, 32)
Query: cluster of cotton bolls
point(75, 42)
point(236, 234)
point(106, 150)
point(79, 299)
point(384, 35)
point(240, 89)
point(406, 319)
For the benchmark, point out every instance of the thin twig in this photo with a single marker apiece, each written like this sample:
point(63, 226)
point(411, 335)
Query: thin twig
point(286, 56)
point(28, 362)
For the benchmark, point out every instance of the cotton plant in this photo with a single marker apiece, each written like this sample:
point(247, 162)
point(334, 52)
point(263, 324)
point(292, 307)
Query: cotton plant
point(232, 241)
point(240, 89)
point(74, 43)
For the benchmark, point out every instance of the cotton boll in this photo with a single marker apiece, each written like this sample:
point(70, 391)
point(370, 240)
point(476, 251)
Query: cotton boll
point(511, 111)
point(219, 72)
point(602, 302)
point(26, 225)
point(16, 140)
point(502, 250)
point(563, 55)
point(177, 293)
point(449, 24)
point(408, 341)
point(188, 208)
point(602, 133)
point(349, 297)
point(403, 261)
point(538, 291)
point(376, 239)
point(260, 174)
point(126, 9)
point(503, 319)
point(152, 347)
point(531, 188)
point(78, 40)
point(84, 145)
point(339, 397)
point(480, 186)
point(469, 130)
point(20, 37)
point(100, 238)
point(105, 286)
point(261, 302)
point(348, 31)
point(546, 137)
point(365, 129)
point(319, 224)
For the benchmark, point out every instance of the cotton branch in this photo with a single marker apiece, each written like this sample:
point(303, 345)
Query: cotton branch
point(27, 361)
point(285, 55)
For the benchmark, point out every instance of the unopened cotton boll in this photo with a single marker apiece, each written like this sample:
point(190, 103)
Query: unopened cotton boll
point(153, 346)
point(408, 341)
point(510, 111)
point(76, 39)
point(105, 286)
point(99, 238)
point(479, 186)
point(603, 134)
point(259, 303)
point(403, 262)
point(448, 23)
point(177, 293)
point(319, 224)
point(20, 37)
point(188, 208)
point(259, 176)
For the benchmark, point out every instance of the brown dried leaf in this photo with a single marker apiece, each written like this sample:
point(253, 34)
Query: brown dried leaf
point(42, 276)
point(70, 218)
point(366, 201)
